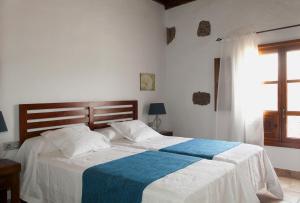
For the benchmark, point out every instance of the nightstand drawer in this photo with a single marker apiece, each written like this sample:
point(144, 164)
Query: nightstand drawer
point(9, 180)
point(4, 183)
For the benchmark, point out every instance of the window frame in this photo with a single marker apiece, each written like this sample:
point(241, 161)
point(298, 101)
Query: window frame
point(280, 139)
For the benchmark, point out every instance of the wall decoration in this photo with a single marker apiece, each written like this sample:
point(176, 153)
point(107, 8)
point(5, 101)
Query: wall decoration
point(201, 98)
point(147, 82)
point(204, 29)
point(171, 33)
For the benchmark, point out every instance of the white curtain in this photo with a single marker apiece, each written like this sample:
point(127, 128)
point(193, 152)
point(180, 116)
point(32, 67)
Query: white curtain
point(239, 104)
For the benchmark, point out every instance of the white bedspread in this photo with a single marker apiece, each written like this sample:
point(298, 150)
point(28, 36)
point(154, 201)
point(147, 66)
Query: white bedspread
point(252, 161)
point(53, 178)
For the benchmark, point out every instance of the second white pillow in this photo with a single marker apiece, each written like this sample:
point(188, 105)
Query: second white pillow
point(135, 130)
point(110, 133)
point(142, 134)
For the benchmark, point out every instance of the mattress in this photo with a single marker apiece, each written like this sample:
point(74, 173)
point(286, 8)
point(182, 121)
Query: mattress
point(54, 178)
point(251, 161)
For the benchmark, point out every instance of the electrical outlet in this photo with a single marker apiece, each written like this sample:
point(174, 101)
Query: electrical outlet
point(11, 146)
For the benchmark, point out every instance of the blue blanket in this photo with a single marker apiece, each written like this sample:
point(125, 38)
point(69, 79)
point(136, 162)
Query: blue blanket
point(203, 148)
point(124, 180)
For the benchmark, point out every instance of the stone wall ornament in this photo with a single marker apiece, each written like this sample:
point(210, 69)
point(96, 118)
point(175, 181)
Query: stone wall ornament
point(204, 29)
point(171, 33)
point(201, 98)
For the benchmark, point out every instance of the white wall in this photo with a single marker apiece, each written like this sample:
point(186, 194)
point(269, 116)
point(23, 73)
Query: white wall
point(78, 50)
point(190, 59)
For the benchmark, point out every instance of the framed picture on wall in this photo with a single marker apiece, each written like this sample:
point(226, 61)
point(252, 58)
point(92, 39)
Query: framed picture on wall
point(147, 82)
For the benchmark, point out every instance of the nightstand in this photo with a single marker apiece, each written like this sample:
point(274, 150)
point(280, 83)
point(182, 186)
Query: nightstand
point(166, 133)
point(9, 180)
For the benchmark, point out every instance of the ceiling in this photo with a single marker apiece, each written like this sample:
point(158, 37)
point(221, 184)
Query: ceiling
point(173, 3)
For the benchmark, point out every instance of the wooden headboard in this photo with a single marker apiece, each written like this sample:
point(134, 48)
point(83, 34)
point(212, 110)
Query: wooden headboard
point(37, 118)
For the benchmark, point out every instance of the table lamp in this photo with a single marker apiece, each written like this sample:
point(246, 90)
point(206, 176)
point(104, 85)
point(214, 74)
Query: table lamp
point(3, 127)
point(157, 109)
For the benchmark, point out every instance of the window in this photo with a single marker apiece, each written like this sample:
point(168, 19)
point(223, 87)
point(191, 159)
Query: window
point(281, 75)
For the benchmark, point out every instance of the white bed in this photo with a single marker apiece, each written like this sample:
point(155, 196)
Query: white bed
point(54, 178)
point(251, 161)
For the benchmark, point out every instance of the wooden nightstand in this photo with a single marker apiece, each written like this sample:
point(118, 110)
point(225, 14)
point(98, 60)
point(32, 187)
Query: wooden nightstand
point(166, 133)
point(9, 180)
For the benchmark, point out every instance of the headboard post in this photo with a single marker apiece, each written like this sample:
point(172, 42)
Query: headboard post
point(91, 117)
point(135, 110)
point(23, 122)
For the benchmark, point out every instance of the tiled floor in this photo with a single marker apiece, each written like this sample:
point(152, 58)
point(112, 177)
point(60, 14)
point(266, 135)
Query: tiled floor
point(291, 188)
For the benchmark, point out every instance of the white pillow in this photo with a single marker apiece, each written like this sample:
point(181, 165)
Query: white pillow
point(79, 127)
point(73, 141)
point(142, 134)
point(128, 127)
point(135, 130)
point(110, 133)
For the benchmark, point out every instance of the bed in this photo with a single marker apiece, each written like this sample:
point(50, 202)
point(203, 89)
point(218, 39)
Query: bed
point(52, 178)
point(251, 161)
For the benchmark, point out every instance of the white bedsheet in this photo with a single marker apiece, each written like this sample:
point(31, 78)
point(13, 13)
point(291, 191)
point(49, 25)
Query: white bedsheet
point(252, 161)
point(53, 178)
